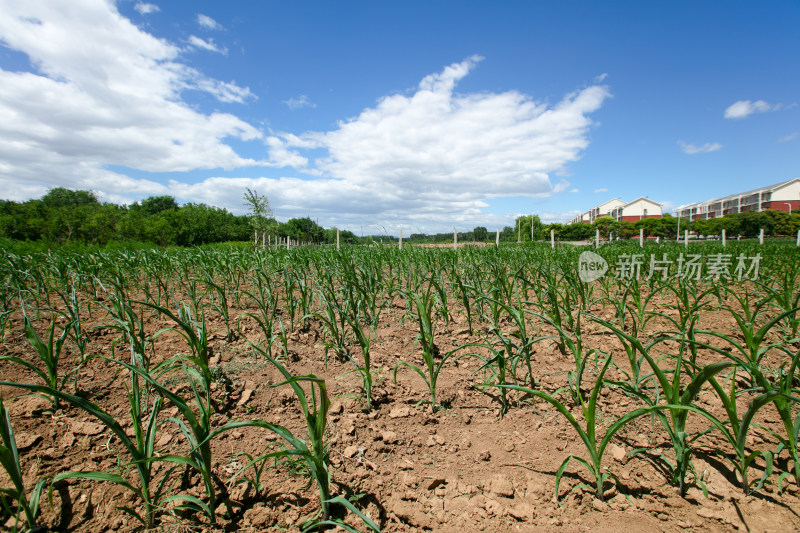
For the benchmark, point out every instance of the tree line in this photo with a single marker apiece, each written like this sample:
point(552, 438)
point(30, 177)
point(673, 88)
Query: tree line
point(64, 216)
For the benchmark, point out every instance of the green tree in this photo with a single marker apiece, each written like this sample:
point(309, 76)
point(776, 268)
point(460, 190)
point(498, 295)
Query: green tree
point(480, 233)
point(260, 212)
point(606, 225)
point(158, 204)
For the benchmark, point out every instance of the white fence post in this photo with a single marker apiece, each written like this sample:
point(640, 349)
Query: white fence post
point(686, 238)
point(553, 239)
point(723, 238)
point(337, 239)
point(400, 243)
point(455, 239)
point(597, 238)
point(641, 237)
point(761, 236)
point(497, 239)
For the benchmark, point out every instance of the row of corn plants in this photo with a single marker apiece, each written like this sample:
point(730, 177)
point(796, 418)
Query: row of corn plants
point(514, 302)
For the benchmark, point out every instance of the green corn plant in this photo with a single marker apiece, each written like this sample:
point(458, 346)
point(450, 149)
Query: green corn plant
point(363, 367)
point(9, 459)
point(594, 446)
point(220, 304)
point(140, 449)
point(292, 303)
point(49, 353)
point(443, 309)
point(519, 342)
point(333, 317)
point(690, 300)
point(466, 294)
point(747, 356)
point(315, 410)
point(676, 393)
point(195, 425)
point(74, 313)
point(573, 343)
point(266, 300)
point(739, 428)
point(126, 320)
point(635, 351)
point(421, 307)
point(783, 293)
point(496, 366)
point(195, 333)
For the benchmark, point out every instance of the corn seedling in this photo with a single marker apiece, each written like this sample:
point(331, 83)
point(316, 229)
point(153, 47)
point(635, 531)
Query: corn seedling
point(49, 353)
point(9, 459)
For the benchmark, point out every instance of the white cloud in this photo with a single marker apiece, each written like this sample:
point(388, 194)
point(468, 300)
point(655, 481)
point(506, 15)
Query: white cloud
point(692, 149)
point(430, 159)
point(209, 45)
point(299, 101)
point(439, 145)
point(145, 9)
point(574, 190)
point(104, 93)
point(787, 138)
point(207, 22)
point(601, 189)
point(107, 96)
point(744, 108)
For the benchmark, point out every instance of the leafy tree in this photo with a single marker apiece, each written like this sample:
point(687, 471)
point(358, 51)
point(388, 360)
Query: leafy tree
point(260, 212)
point(158, 204)
point(606, 225)
point(61, 197)
point(480, 233)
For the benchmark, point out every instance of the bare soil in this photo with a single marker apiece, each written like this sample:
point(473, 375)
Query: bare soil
point(460, 468)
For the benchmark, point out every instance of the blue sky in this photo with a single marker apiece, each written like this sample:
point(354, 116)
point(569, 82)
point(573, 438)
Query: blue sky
point(415, 115)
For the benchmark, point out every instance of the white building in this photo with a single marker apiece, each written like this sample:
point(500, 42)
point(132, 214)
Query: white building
point(637, 210)
point(783, 196)
point(619, 210)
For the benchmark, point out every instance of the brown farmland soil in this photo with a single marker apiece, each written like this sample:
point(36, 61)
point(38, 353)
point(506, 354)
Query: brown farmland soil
point(461, 468)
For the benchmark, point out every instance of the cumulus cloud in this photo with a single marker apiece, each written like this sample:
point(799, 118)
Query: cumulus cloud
point(787, 138)
point(145, 9)
point(693, 149)
point(436, 143)
point(209, 45)
point(207, 22)
point(104, 93)
point(745, 108)
point(107, 97)
point(432, 158)
point(601, 189)
point(299, 101)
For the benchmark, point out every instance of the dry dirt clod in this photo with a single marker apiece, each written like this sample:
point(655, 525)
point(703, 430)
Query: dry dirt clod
point(87, 428)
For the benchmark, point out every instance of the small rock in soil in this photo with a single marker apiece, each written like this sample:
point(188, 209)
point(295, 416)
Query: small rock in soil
point(350, 451)
point(245, 397)
point(26, 440)
point(87, 428)
point(618, 453)
point(29, 406)
point(523, 512)
point(501, 486)
point(400, 412)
